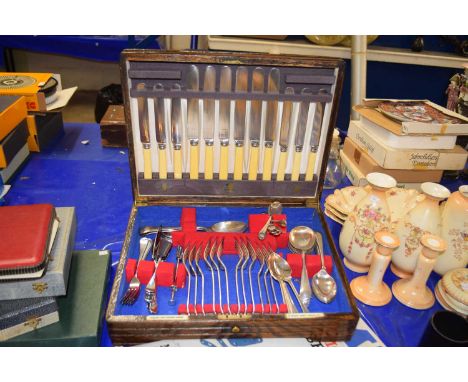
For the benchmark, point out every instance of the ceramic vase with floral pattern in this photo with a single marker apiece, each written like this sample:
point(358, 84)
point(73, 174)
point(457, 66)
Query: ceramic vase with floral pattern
point(369, 216)
point(424, 218)
point(455, 232)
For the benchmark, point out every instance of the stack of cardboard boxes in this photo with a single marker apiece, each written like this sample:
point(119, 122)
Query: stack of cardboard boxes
point(403, 140)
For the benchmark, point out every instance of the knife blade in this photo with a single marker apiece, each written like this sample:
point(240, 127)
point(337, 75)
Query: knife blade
point(176, 131)
point(239, 122)
point(225, 86)
point(209, 85)
point(193, 117)
point(270, 126)
point(315, 139)
point(284, 134)
point(159, 113)
point(300, 135)
point(143, 123)
point(255, 121)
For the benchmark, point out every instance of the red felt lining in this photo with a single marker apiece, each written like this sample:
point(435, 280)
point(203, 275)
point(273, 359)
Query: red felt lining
point(313, 264)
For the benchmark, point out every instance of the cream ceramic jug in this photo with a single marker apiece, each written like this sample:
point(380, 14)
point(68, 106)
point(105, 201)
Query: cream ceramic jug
point(424, 218)
point(369, 216)
point(455, 232)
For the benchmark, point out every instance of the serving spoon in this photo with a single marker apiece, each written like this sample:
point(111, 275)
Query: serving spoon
point(302, 239)
point(281, 271)
point(323, 284)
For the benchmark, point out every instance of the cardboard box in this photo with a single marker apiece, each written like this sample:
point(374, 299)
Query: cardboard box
point(415, 159)
point(7, 173)
point(366, 164)
point(368, 109)
point(12, 111)
point(35, 99)
point(445, 142)
point(358, 178)
point(13, 143)
point(44, 128)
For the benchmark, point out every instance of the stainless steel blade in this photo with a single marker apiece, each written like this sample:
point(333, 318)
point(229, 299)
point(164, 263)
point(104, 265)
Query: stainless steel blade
point(272, 107)
point(239, 115)
point(209, 85)
point(176, 119)
point(159, 113)
point(317, 126)
point(286, 121)
point(225, 86)
point(193, 84)
point(256, 106)
point(302, 121)
point(143, 117)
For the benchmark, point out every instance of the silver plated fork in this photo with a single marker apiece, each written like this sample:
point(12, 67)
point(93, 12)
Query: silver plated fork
point(134, 286)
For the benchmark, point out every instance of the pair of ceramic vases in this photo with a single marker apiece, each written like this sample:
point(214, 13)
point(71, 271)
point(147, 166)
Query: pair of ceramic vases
point(417, 214)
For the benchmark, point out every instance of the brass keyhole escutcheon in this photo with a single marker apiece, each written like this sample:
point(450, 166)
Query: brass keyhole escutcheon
point(235, 329)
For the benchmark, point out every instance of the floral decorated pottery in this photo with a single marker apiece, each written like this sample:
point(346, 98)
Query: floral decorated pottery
point(455, 232)
point(369, 216)
point(370, 289)
point(452, 291)
point(413, 292)
point(400, 201)
point(423, 218)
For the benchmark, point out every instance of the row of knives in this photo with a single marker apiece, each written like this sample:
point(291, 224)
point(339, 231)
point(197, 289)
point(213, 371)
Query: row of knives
point(198, 115)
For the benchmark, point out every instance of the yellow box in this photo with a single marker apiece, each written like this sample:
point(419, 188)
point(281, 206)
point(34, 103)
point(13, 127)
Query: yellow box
point(12, 111)
point(33, 82)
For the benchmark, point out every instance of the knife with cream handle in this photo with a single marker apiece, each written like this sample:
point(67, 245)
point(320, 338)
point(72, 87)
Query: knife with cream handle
point(193, 120)
point(143, 122)
point(209, 85)
point(225, 86)
point(284, 134)
point(315, 140)
point(159, 113)
point(239, 121)
point(270, 125)
point(255, 122)
point(300, 135)
point(176, 131)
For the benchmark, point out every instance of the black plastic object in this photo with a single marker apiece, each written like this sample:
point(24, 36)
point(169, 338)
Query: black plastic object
point(109, 95)
point(445, 329)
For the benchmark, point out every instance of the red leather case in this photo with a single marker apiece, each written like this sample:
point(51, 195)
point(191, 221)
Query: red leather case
point(25, 234)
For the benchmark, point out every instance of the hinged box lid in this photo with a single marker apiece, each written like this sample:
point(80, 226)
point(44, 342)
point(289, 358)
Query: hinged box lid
point(223, 127)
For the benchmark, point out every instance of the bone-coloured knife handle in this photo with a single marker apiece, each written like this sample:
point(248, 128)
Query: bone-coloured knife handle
point(209, 162)
point(238, 163)
point(177, 163)
point(310, 166)
point(267, 163)
point(194, 161)
point(162, 163)
point(253, 162)
point(147, 172)
point(223, 162)
point(282, 165)
point(296, 165)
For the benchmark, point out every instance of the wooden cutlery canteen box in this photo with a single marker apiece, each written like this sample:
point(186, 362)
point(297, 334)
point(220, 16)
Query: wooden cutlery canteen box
point(218, 136)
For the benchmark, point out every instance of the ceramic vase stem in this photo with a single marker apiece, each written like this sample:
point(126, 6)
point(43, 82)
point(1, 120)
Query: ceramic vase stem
point(414, 292)
point(371, 289)
point(377, 269)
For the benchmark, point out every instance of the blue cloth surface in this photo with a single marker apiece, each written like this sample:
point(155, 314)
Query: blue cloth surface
point(96, 181)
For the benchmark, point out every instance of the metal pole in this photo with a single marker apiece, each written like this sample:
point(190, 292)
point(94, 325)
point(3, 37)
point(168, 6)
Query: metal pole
point(358, 71)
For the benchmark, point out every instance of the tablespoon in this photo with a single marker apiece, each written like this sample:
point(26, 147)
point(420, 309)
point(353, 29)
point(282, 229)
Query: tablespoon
point(323, 284)
point(303, 239)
